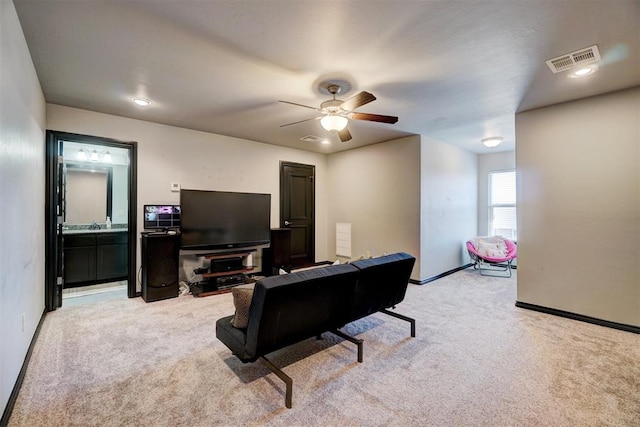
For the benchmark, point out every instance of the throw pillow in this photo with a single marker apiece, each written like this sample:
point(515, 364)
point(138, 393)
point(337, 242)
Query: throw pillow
point(242, 296)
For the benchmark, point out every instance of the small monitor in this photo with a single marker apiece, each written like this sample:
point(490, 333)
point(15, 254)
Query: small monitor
point(163, 217)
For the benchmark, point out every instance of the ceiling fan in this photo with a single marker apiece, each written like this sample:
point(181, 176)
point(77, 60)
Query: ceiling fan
point(335, 114)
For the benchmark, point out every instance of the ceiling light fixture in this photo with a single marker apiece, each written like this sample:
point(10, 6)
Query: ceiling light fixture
point(585, 71)
point(141, 101)
point(333, 122)
point(494, 141)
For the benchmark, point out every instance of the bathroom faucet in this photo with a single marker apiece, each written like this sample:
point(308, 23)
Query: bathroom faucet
point(94, 226)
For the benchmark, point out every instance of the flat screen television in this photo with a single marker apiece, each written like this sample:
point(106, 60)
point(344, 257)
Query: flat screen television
point(162, 217)
point(224, 220)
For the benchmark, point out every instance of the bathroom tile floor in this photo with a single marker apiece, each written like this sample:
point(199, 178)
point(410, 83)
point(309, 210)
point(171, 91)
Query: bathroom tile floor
point(92, 294)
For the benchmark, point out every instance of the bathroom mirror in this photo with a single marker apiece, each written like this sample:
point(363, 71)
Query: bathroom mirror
point(88, 193)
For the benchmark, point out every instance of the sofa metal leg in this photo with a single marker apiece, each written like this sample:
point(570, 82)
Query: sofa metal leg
point(400, 316)
point(284, 377)
point(354, 340)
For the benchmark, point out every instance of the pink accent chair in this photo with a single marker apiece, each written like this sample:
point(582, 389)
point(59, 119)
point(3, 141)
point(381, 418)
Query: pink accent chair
point(488, 266)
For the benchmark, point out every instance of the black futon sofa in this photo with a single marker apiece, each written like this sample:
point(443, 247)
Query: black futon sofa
point(289, 308)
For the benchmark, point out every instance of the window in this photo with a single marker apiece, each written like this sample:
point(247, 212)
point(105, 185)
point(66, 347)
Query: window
point(502, 204)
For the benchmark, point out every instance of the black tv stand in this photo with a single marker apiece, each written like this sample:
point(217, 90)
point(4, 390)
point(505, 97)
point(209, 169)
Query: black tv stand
point(226, 270)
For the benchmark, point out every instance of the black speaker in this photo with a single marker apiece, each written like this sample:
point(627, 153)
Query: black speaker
point(278, 254)
point(160, 266)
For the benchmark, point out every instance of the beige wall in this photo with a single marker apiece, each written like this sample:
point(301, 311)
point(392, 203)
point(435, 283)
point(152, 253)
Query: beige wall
point(22, 171)
point(579, 207)
point(377, 189)
point(449, 206)
point(198, 160)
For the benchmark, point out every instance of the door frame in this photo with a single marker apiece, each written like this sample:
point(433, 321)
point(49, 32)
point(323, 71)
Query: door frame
point(312, 168)
point(54, 244)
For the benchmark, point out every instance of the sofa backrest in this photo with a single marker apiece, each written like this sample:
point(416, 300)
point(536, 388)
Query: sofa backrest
point(289, 308)
point(382, 283)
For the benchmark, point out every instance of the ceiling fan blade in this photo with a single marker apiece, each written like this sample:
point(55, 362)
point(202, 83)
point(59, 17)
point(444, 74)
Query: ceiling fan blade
point(344, 135)
point(373, 117)
point(357, 100)
point(301, 121)
point(300, 105)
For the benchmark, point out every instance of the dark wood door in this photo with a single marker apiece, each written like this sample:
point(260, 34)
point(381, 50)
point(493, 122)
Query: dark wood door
point(297, 210)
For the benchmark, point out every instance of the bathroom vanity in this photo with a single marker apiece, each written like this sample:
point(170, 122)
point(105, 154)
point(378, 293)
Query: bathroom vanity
point(94, 256)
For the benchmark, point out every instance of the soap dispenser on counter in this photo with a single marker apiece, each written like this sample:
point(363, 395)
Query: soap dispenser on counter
point(108, 223)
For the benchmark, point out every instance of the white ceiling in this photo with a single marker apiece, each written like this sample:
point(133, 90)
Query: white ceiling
point(455, 71)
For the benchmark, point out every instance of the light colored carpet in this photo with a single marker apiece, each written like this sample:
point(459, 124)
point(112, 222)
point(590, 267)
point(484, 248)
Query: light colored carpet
point(477, 360)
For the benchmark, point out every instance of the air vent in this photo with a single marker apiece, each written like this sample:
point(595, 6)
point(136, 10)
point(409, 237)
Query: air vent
point(311, 138)
point(578, 58)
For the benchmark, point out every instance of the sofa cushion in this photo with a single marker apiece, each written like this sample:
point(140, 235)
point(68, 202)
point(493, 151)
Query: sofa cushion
point(242, 296)
point(289, 308)
point(232, 337)
point(382, 284)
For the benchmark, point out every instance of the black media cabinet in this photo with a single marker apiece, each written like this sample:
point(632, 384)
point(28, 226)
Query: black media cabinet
point(226, 270)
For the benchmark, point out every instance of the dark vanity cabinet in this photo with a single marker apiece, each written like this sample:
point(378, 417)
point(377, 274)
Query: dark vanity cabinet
point(91, 258)
point(111, 256)
point(79, 259)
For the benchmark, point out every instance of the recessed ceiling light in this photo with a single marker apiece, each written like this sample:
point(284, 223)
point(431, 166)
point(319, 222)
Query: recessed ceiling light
point(494, 141)
point(141, 101)
point(585, 71)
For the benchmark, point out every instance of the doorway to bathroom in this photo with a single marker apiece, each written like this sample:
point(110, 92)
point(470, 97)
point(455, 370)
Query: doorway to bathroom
point(90, 219)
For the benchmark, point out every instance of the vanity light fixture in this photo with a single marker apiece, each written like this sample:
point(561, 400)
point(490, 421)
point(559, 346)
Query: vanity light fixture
point(107, 157)
point(81, 155)
point(333, 122)
point(94, 156)
point(143, 102)
point(493, 141)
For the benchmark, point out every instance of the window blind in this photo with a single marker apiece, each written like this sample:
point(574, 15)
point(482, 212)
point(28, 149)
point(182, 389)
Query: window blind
point(502, 204)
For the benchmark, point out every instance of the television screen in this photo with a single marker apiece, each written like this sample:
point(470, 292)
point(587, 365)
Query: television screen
point(161, 216)
point(223, 220)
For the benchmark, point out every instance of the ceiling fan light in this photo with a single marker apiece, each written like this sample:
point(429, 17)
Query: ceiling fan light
point(331, 122)
point(494, 141)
